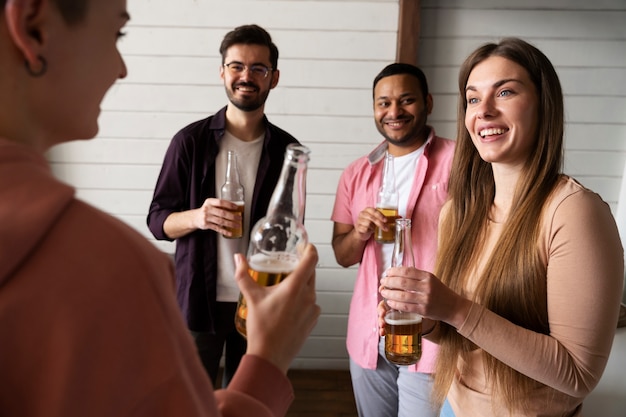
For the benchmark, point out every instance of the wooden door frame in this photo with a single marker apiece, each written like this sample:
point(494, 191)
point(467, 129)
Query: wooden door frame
point(407, 44)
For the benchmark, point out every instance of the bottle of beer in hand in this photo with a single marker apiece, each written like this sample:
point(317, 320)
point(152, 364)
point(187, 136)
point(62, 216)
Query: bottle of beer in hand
point(387, 202)
point(278, 239)
point(403, 329)
point(232, 190)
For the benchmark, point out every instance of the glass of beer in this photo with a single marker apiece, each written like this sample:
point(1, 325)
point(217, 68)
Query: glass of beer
point(266, 269)
point(391, 214)
point(403, 337)
point(237, 233)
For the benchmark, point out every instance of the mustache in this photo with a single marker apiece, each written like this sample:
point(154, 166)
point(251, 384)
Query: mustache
point(245, 84)
point(397, 119)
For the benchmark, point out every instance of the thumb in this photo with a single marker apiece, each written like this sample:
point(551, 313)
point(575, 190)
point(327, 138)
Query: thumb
point(244, 281)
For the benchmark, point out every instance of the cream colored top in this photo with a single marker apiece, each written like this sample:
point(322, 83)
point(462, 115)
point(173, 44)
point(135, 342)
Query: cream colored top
point(580, 244)
point(248, 157)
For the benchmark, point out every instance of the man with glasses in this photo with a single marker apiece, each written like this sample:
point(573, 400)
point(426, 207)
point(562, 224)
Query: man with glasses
point(187, 207)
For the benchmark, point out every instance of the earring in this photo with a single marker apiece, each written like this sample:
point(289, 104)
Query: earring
point(41, 71)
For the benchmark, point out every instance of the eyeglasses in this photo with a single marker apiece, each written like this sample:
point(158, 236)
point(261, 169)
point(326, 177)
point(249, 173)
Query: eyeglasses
point(257, 70)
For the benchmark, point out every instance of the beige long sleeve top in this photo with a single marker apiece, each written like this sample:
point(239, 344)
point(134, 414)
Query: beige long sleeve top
point(580, 245)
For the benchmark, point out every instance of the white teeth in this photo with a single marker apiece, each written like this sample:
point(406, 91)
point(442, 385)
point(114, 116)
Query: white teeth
point(489, 132)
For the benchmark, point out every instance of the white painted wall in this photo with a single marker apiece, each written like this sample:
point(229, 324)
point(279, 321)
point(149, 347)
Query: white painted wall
point(330, 51)
point(586, 42)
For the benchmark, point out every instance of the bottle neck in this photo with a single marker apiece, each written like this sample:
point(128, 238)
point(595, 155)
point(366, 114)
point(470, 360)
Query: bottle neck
point(388, 194)
point(403, 247)
point(289, 195)
point(232, 172)
point(389, 175)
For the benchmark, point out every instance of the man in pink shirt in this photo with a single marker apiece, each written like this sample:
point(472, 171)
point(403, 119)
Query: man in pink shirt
point(422, 164)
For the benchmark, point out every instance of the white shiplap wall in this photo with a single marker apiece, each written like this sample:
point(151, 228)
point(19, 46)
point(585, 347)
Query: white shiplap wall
point(585, 41)
point(330, 52)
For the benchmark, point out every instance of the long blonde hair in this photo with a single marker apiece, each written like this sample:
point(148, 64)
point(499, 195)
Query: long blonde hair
point(513, 283)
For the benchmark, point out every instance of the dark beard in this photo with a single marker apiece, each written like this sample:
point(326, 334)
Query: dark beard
point(246, 105)
point(418, 134)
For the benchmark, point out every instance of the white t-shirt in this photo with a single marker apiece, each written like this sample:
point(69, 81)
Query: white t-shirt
point(248, 156)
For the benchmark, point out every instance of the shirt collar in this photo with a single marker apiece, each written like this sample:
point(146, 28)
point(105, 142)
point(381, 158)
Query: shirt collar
point(379, 152)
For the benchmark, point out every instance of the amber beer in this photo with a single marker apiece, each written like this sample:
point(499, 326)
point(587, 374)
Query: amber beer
point(403, 337)
point(391, 214)
point(237, 233)
point(266, 270)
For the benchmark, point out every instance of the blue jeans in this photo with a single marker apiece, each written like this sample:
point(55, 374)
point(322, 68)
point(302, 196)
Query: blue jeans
point(391, 390)
point(446, 410)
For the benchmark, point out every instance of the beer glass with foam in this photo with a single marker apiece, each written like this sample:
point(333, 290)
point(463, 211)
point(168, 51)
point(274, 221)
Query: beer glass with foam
point(403, 329)
point(232, 190)
point(278, 239)
point(387, 202)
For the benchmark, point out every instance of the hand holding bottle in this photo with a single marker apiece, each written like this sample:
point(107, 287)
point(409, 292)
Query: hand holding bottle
point(387, 202)
point(403, 328)
point(278, 239)
point(411, 289)
point(281, 317)
point(369, 220)
point(232, 190)
point(219, 215)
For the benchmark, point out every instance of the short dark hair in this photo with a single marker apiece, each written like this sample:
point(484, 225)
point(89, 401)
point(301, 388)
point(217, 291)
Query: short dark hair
point(402, 68)
point(250, 35)
point(73, 11)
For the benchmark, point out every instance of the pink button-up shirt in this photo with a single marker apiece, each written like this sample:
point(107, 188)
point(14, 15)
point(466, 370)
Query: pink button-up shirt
point(357, 190)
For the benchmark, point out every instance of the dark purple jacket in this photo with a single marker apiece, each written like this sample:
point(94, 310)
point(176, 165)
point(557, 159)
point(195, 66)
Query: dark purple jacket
point(187, 178)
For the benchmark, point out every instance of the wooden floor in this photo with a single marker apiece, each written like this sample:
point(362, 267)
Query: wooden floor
point(320, 393)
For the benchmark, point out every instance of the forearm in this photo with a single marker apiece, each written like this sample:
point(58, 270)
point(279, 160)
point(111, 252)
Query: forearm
point(584, 260)
point(538, 356)
point(348, 248)
point(179, 224)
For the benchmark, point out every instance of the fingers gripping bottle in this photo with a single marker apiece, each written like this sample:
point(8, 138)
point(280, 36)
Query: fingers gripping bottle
point(278, 239)
point(403, 329)
point(232, 190)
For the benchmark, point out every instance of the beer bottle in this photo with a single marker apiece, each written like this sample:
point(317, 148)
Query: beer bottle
point(387, 202)
point(278, 239)
point(403, 329)
point(232, 190)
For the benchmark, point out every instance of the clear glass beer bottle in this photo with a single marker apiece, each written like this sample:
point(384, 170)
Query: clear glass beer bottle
point(387, 202)
point(278, 239)
point(403, 329)
point(232, 190)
